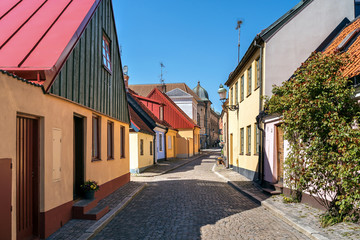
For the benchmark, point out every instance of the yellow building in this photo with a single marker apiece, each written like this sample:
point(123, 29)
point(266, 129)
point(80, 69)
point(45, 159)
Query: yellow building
point(141, 143)
point(171, 143)
point(272, 58)
point(244, 136)
point(60, 135)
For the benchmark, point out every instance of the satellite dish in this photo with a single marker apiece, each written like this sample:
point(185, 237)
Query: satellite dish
point(125, 69)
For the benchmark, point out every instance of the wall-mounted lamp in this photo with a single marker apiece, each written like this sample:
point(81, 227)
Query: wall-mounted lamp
point(222, 94)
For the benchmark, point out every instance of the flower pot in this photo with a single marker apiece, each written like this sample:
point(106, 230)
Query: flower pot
point(89, 195)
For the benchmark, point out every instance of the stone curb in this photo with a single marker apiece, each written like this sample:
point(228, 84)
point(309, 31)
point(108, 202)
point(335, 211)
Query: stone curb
point(171, 169)
point(306, 230)
point(101, 223)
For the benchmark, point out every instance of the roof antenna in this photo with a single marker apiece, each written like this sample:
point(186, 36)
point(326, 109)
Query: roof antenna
point(162, 81)
point(239, 22)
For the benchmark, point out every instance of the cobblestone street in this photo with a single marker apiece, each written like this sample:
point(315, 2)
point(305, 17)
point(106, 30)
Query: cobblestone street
point(192, 202)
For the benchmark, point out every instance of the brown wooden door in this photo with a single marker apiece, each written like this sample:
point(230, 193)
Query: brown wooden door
point(78, 156)
point(5, 199)
point(27, 172)
point(280, 153)
point(231, 149)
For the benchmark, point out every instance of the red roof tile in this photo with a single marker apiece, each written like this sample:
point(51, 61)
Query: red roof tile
point(353, 68)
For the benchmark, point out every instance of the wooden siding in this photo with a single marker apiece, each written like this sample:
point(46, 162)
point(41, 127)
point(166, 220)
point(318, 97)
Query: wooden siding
point(84, 79)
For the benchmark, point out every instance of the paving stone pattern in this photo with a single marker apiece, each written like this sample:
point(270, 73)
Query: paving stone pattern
point(192, 202)
point(76, 227)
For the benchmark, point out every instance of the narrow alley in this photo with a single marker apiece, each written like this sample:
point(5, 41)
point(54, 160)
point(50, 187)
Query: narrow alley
point(192, 202)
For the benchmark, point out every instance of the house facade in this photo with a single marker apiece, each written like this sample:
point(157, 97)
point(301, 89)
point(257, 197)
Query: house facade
point(64, 111)
point(141, 142)
point(188, 135)
point(272, 58)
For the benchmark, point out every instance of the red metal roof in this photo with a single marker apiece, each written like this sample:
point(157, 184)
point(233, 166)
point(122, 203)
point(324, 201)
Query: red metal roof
point(172, 113)
point(38, 35)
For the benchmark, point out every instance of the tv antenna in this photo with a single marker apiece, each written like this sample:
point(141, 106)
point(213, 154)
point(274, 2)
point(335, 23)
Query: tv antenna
point(162, 81)
point(239, 22)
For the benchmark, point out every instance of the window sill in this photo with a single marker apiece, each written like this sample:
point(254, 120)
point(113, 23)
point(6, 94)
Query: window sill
point(111, 158)
point(248, 154)
point(95, 159)
point(108, 70)
point(248, 95)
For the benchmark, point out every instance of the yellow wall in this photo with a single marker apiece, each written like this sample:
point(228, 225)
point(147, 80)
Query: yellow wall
point(146, 160)
point(245, 116)
point(184, 145)
point(196, 140)
point(55, 113)
point(170, 150)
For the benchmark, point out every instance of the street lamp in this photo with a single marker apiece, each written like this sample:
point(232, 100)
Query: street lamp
point(222, 94)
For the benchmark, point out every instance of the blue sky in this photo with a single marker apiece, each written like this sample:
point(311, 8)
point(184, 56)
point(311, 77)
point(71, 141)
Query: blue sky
point(195, 39)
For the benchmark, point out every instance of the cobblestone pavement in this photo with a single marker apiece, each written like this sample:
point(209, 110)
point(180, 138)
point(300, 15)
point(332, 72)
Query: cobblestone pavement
point(76, 227)
point(192, 202)
point(301, 214)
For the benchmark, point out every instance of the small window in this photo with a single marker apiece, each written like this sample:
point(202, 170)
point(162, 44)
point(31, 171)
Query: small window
point(257, 134)
point(249, 81)
point(96, 138)
point(160, 142)
point(242, 82)
point(257, 73)
point(230, 96)
point(141, 147)
point(248, 136)
point(151, 148)
point(110, 140)
point(122, 142)
point(236, 93)
point(169, 142)
point(106, 53)
point(241, 141)
point(161, 113)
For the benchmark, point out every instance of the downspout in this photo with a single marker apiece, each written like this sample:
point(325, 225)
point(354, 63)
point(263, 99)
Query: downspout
point(165, 140)
point(154, 155)
point(260, 116)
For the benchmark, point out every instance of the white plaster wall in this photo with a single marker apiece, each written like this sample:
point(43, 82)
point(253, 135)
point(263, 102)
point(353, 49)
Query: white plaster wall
point(295, 41)
point(186, 105)
point(134, 151)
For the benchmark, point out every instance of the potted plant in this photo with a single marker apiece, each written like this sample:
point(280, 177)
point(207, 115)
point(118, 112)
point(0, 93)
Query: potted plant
point(89, 188)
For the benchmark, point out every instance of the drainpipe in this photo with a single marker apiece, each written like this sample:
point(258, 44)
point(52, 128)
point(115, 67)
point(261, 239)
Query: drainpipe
point(260, 117)
point(154, 143)
point(165, 140)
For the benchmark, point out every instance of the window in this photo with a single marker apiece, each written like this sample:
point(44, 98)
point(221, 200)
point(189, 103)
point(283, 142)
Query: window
point(257, 140)
point(169, 142)
point(242, 88)
point(249, 81)
point(248, 137)
point(110, 140)
point(106, 53)
point(141, 147)
point(174, 143)
point(160, 142)
point(257, 73)
point(236, 93)
point(161, 113)
point(122, 142)
point(241, 141)
point(151, 148)
point(96, 138)
point(230, 96)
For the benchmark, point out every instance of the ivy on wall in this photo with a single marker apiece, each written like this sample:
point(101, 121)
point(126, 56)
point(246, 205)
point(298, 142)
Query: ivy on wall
point(319, 115)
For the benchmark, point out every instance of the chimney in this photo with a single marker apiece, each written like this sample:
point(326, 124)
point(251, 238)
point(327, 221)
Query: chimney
point(126, 80)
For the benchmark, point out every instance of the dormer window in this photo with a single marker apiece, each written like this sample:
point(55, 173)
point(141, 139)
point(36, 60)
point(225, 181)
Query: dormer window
point(348, 39)
point(106, 53)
